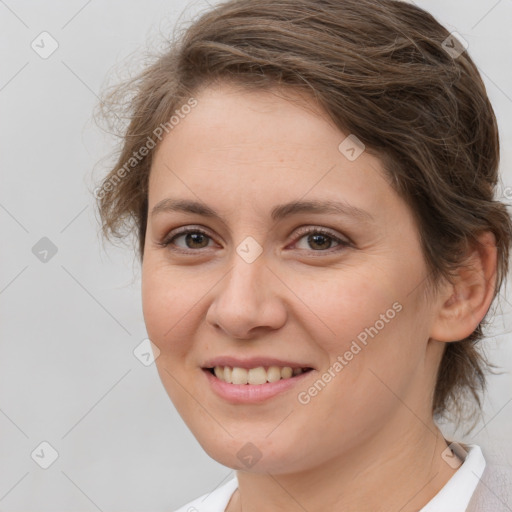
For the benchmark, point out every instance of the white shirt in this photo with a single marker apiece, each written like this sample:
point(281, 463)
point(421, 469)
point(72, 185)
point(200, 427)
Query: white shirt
point(453, 497)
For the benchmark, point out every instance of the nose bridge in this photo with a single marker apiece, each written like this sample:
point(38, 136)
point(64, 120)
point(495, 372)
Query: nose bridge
point(248, 266)
point(241, 287)
point(242, 301)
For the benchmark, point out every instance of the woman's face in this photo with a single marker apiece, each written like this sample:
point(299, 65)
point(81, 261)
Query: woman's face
point(300, 255)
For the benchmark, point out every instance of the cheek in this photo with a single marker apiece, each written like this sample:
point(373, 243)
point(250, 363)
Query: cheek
point(347, 305)
point(168, 300)
point(369, 327)
point(168, 308)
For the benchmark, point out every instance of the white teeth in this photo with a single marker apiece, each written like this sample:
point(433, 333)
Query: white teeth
point(254, 376)
point(274, 374)
point(239, 376)
point(257, 376)
point(286, 372)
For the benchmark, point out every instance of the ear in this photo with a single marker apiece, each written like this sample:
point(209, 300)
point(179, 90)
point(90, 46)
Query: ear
point(465, 300)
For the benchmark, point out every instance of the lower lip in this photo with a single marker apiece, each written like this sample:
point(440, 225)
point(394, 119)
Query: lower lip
point(250, 393)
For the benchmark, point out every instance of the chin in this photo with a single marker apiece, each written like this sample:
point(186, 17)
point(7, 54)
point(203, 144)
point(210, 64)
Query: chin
point(254, 454)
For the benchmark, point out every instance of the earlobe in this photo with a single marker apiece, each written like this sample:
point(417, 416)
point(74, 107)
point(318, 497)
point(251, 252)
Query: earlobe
point(465, 300)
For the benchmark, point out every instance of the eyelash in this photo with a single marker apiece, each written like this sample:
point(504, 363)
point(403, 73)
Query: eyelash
point(168, 241)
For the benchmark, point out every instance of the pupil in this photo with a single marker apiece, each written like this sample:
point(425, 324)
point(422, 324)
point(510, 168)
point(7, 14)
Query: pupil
point(314, 239)
point(195, 238)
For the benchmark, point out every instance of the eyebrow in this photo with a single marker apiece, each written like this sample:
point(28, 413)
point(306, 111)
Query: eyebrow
point(278, 213)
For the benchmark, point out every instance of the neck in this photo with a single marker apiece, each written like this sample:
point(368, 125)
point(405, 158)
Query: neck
point(407, 473)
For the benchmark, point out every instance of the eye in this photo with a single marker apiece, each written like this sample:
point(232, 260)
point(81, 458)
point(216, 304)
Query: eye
point(193, 238)
point(320, 240)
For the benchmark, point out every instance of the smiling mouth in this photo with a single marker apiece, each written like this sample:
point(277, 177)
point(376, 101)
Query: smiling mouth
point(255, 376)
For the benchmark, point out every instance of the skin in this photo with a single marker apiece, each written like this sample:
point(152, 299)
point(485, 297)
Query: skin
point(367, 441)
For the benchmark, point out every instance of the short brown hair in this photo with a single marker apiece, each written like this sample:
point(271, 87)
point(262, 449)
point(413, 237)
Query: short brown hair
point(381, 70)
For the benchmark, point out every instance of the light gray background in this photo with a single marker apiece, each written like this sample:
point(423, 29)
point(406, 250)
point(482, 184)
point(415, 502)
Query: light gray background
point(68, 375)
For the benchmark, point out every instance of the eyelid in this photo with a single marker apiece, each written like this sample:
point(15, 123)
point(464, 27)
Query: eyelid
point(167, 239)
point(343, 239)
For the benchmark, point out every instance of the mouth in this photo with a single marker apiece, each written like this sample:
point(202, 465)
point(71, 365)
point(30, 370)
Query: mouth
point(256, 376)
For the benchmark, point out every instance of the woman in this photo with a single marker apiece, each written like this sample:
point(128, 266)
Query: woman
point(312, 186)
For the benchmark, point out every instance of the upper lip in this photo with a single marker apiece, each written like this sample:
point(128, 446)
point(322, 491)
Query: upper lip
point(252, 362)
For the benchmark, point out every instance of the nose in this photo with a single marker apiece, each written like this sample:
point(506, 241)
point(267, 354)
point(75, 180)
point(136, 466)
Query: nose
point(246, 303)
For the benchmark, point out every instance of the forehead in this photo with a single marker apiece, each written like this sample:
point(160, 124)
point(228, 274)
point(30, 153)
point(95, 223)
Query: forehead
point(237, 145)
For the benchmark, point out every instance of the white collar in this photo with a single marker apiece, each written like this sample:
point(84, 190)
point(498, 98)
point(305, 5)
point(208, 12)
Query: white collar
point(457, 492)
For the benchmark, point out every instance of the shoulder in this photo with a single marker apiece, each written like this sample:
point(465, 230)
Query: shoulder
point(214, 501)
point(494, 490)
